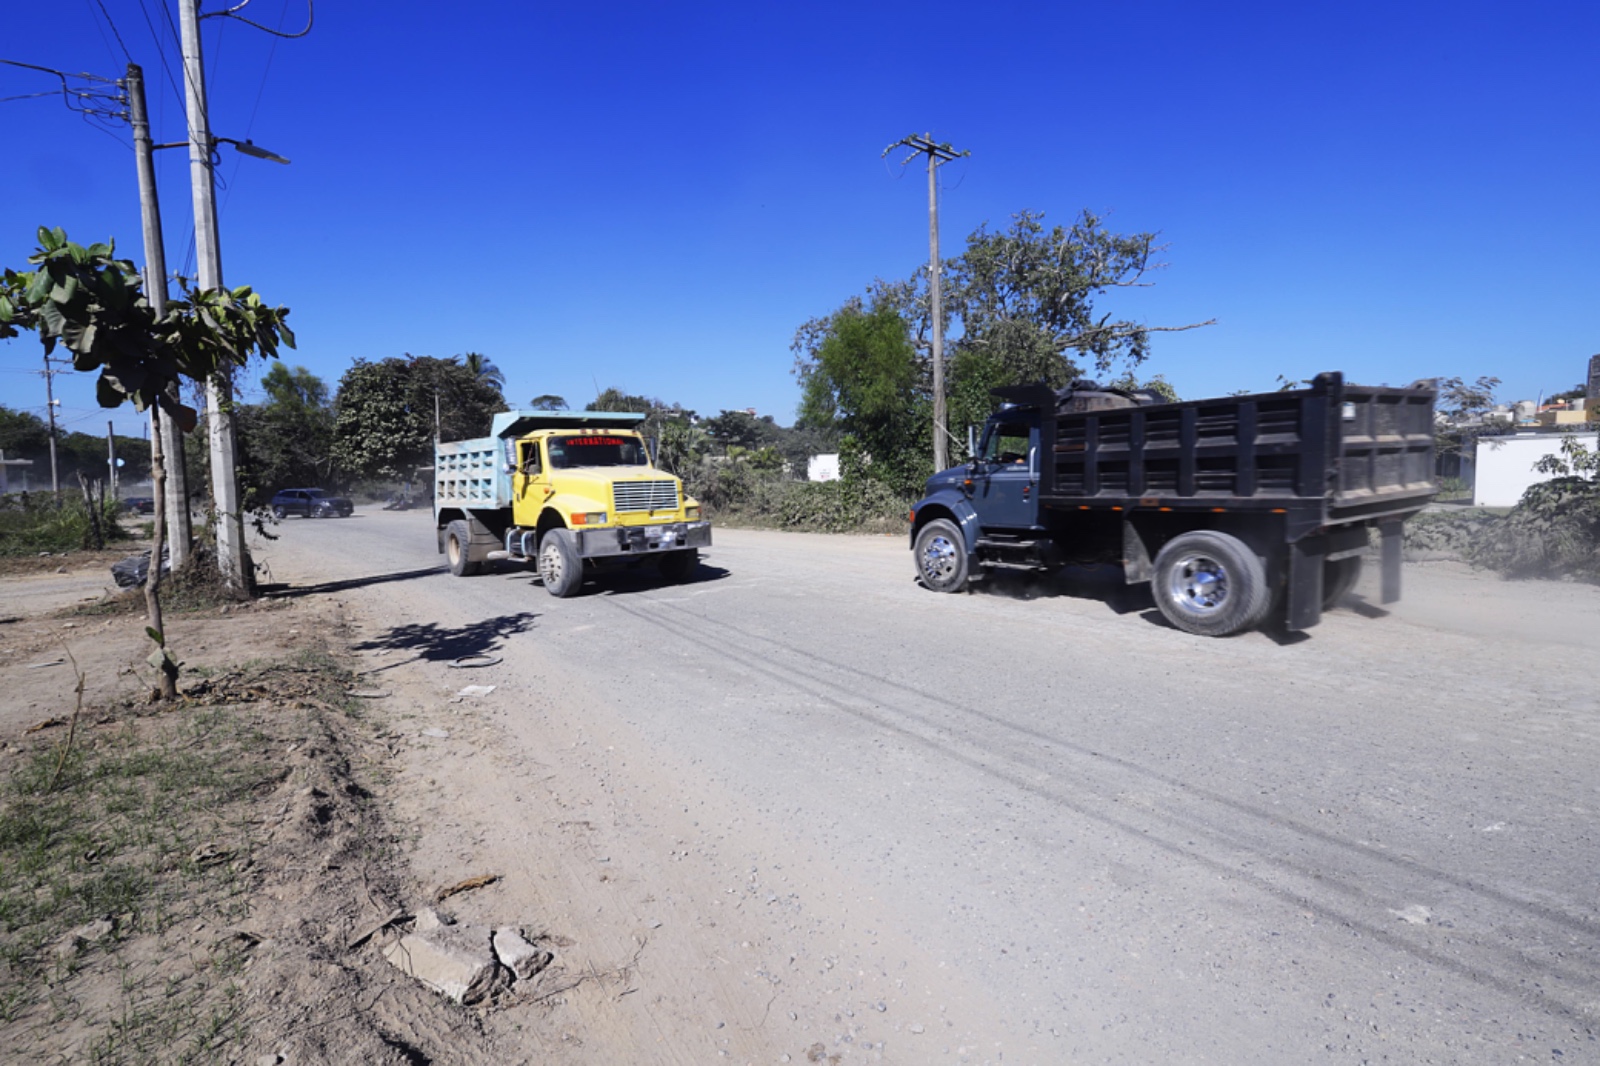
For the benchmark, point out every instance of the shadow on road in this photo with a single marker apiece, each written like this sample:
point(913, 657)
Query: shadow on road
point(288, 591)
point(645, 577)
point(1103, 583)
point(630, 580)
point(432, 643)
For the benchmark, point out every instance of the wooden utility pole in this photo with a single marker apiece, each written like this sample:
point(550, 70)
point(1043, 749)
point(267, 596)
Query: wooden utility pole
point(176, 497)
point(938, 154)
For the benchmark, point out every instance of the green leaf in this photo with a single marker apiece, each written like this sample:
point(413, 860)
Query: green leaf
point(51, 239)
point(108, 391)
point(155, 634)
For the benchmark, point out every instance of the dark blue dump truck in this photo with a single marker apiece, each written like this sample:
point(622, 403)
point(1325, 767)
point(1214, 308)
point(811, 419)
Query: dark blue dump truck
point(1238, 510)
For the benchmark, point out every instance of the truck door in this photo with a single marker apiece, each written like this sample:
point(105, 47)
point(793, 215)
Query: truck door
point(1006, 490)
point(528, 483)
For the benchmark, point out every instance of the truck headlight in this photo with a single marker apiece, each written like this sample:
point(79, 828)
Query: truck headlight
point(692, 513)
point(592, 518)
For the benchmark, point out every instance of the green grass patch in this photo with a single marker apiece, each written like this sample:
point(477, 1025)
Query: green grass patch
point(153, 824)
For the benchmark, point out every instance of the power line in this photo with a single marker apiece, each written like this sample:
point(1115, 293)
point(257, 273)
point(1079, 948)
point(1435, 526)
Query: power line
point(89, 100)
point(161, 52)
point(311, 15)
point(250, 126)
point(114, 31)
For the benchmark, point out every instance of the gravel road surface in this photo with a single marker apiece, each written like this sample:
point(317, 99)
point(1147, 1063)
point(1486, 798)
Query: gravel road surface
point(832, 814)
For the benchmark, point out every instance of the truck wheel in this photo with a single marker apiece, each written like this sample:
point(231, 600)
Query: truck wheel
point(559, 564)
point(457, 537)
point(677, 566)
point(941, 556)
point(1339, 576)
point(1210, 584)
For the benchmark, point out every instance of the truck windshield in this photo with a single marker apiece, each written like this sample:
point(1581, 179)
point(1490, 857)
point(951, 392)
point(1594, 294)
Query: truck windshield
point(1007, 442)
point(595, 449)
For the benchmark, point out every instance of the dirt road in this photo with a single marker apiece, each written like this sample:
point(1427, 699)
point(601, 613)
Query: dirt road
point(801, 809)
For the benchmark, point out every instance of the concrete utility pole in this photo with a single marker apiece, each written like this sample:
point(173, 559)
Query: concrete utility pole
point(176, 503)
point(938, 154)
point(50, 406)
point(208, 256)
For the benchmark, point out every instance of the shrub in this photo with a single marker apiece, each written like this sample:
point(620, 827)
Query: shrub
point(738, 493)
point(31, 523)
point(1553, 532)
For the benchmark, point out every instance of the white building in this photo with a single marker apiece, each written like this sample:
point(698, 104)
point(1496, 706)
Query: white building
point(1503, 467)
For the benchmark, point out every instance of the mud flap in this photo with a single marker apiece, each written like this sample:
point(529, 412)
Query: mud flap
point(1390, 536)
point(1305, 584)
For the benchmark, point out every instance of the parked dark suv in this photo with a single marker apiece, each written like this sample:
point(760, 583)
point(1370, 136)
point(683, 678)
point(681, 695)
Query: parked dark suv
point(310, 503)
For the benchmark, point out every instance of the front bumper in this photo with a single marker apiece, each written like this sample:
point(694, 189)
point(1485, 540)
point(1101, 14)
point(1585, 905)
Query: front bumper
point(642, 540)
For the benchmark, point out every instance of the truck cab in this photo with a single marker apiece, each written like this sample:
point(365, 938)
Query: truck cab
point(1005, 473)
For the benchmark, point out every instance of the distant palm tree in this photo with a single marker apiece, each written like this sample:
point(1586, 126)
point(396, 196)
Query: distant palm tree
point(484, 370)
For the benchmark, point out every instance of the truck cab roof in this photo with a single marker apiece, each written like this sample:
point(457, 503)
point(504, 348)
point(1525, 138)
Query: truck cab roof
point(508, 424)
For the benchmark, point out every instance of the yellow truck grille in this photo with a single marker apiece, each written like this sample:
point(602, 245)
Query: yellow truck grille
point(636, 496)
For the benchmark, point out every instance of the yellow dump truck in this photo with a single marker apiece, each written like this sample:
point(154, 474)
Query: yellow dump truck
point(571, 491)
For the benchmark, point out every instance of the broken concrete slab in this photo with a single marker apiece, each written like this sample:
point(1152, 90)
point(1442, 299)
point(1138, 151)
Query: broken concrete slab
point(518, 955)
point(454, 960)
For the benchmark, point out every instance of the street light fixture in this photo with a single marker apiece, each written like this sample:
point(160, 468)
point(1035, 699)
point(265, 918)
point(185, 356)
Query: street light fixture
point(248, 147)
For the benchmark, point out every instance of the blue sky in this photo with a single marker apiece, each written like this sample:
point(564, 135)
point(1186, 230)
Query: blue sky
point(654, 196)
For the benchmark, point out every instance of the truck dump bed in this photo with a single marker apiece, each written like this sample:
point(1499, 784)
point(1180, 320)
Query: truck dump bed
point(1328, 455)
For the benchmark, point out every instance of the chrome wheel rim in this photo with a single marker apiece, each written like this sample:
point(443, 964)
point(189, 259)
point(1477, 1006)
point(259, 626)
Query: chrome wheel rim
point(551, 566)
point(1198, 585)
point(939, 560)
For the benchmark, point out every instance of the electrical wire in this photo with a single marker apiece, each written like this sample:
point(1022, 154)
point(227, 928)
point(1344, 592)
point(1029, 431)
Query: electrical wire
point(254, 110)
point(114, 31)
point(161, 52)
point(126, 55)
point(311, 15)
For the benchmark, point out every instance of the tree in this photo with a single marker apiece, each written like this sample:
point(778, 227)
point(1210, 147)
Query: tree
point(1159, 385)
point(1021, 307)
point(23, 434)
point(741, 428)
point(288, 439)
point(384, 413)
point(865, 380)
point(549, 402)
point(1027, 297)
point(657, 412)
point(92, 304)
point(485, 371)
point(1460, 402)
